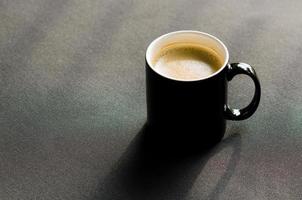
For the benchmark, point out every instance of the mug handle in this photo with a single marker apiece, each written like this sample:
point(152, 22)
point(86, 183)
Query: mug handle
point(241, 114)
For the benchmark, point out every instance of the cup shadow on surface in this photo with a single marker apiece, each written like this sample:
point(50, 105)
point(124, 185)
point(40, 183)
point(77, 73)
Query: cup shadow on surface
point(148, 170)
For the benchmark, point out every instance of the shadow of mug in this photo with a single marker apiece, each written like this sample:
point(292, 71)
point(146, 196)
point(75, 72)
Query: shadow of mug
point(148, 170)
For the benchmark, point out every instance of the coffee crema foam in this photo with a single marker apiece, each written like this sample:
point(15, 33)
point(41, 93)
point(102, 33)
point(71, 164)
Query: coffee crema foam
point(186, 61)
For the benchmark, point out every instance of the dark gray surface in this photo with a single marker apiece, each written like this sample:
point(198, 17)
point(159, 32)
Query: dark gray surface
point(73, 100)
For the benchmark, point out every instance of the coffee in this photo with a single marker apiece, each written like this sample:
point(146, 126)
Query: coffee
point(186, 61)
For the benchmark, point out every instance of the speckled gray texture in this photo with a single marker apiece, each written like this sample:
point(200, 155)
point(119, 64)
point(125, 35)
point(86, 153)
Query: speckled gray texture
point(72, 101)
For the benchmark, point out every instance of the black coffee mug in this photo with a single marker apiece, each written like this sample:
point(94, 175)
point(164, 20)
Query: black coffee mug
point(194, 113)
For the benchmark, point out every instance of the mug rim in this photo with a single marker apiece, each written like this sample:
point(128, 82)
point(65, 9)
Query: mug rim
point(147, 55)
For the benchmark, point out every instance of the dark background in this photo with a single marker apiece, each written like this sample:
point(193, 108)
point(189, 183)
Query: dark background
point(72, 107)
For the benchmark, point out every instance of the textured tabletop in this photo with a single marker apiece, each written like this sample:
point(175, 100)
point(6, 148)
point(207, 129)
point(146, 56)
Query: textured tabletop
point(72, 101)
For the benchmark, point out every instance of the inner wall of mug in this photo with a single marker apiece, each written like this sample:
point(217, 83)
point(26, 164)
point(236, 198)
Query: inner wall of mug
point(194, 37)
